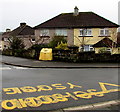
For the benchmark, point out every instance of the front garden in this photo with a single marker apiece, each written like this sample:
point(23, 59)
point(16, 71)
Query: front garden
point(60, 51)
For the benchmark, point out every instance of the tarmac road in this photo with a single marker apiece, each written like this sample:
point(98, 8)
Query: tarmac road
point(51, 89)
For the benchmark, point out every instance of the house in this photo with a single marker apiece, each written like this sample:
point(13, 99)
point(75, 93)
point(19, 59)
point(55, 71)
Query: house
point(109, 45)
point(118, 39)
point(24, 32)
point(82, 29)
point(5, 39)
point(1, 41)
point(118, 42)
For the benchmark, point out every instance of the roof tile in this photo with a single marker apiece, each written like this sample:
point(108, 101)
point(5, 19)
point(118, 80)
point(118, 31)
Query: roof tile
point(84, 19)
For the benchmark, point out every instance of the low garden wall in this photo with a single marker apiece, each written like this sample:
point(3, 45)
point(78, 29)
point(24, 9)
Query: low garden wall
point(67, 55)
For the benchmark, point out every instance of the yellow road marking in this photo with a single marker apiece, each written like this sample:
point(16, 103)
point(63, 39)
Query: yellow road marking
point(54, 98)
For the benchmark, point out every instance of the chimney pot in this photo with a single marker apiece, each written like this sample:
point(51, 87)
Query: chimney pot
point(22, 24)
point(8, 30)
point(76, 11)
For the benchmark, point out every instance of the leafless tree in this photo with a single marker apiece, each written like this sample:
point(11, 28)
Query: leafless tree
point(82, 40)
point(40, 39)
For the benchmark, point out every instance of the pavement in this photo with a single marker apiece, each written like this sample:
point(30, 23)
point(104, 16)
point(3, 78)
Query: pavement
point(30, 63)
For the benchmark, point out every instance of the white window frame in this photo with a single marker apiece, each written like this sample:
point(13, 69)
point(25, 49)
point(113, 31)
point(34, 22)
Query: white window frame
point(89, 48)
point(86, 32)
point(108, 49)
point(61, 32)
point(5, 39)
point(104, 32)
point(5, 46)
point(32, 40)
point(44, 32)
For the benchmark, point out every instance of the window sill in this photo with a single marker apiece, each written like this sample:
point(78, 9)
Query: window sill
point(45, 36)
point(104, 36)
point(85, 36)
point(33, 41)
point(60, 36)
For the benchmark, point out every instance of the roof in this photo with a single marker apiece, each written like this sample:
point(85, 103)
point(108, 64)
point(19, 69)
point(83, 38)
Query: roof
point(6, 34)
point(22, 30)
point(106, 42)
point(84, 19)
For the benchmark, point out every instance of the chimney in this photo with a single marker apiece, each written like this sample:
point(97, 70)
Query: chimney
point(76, 11)
point(8, 30)
point(22, 24)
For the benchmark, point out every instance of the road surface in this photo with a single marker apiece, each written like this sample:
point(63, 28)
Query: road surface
point(50, 89)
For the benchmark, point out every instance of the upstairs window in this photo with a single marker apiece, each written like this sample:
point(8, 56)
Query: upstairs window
point(86, 32)
point(104, 32)
point(44, 32)
point(61, 32)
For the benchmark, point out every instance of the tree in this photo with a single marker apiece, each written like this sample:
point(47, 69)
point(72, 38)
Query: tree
point(82, 40)
point(43, 37)
point(113, 38)
point(56, 40)
point(112, 35)
point(16, 44)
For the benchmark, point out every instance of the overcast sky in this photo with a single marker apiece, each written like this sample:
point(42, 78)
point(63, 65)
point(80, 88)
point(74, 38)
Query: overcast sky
point(34, 12)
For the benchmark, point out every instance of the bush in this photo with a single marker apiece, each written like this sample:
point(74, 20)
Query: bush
point(37, 48)
point(16, 45)
point(57, 40)
point(62, 46)
point(7, 52)
point(30, 53)
point(103, 50)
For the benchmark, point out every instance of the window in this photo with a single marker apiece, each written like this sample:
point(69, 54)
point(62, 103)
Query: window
point(104, 32)
point(108, 49)
point(88, 48)
point(86, 32)
point(44, 32)
point(61, 32)
point(33, 40)
point(5, 39)
point(5, 47)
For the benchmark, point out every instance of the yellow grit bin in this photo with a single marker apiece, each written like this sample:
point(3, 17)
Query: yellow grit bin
point(46, 54)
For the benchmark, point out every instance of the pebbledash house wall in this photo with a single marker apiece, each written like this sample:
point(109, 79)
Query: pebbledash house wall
point(94, 38)
point(27, 40)
point(70, 36)
point(74, 38)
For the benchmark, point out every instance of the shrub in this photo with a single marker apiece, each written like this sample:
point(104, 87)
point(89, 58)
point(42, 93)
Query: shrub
point(37, 48)
point(103, 50)
point(62, 46)
point(7, 52)
point(57, 40)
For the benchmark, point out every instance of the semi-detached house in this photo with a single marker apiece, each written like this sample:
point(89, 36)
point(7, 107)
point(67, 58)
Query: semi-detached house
point(24, 32)
point(79, 28)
